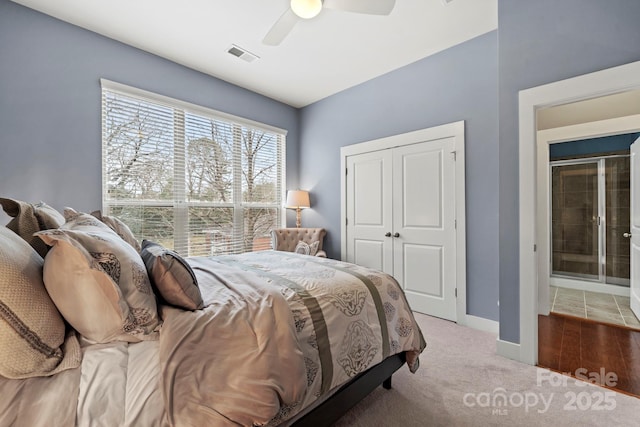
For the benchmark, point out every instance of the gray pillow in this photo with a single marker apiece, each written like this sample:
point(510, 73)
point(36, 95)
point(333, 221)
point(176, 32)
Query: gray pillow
point(173, 278)
point(32, 332)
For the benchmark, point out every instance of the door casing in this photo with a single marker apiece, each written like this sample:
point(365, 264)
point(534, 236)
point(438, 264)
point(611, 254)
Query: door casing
point(601, 83)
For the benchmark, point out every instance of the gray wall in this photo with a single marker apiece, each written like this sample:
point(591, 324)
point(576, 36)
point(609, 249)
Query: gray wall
point(541, 42)
point(50, 143)
point(457, 84)
point(50, 116)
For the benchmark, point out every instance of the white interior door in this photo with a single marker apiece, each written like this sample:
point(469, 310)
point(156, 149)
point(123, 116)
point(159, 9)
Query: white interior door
point(635, 228)
point(424, 225)
point(369, 210)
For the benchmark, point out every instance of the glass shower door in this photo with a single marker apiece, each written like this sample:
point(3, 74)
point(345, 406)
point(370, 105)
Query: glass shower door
point(590, 214)
point(575, 221)
point(618, 202)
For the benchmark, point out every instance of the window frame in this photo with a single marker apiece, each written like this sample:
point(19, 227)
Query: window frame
point(179, 202)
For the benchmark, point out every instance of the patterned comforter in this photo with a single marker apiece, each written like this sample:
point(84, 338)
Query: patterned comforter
point(279, 331)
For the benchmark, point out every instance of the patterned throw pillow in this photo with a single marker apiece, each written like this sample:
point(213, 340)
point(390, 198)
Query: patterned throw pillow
point(32, 332)
point(29, 218)
point(171, 276)
point(120, 228)
point(99, 282)
point(307, 249)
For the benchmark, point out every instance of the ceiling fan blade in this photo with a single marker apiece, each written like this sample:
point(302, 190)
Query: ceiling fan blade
point(281, 28)
point(370, 7)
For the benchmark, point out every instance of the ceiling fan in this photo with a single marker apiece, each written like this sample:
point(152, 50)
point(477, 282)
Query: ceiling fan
point(307, 9)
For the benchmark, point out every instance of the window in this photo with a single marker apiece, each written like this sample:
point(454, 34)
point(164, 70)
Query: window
point(193, 179)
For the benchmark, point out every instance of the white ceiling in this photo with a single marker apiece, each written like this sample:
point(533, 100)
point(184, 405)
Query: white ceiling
point(621, 104)
point(320, 57)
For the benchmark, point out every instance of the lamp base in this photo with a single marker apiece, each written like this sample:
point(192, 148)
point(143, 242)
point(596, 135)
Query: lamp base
point(298, 218)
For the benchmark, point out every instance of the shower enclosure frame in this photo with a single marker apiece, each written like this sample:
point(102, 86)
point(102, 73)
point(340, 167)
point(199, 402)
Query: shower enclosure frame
point(573, 280)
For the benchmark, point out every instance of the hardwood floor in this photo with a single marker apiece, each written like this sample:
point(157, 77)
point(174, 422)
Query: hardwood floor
point(566, 344)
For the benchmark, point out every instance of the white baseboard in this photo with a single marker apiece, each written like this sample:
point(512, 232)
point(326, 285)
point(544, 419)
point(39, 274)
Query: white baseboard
point(508, 349)
point(482, 324)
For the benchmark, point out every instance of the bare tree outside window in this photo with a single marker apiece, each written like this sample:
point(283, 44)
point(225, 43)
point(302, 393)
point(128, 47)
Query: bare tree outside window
point(209, 162)
point(259, 184)
point(198, 184)
point(138, 153)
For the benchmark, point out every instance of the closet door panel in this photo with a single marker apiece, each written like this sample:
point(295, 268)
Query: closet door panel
point(417, 260)
point(369, 210)
point(421, 191)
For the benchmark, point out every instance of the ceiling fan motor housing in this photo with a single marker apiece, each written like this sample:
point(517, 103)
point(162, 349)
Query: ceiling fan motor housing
point(306, 9)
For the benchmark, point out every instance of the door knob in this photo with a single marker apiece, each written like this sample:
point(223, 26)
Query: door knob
point(396, 234)
point(627, 235)
point(387, 234)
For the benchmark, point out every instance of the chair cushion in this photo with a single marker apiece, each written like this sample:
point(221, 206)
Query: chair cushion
point(307, 249)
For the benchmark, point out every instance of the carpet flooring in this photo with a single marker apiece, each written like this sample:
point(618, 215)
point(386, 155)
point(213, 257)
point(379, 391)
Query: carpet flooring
point(463, 382)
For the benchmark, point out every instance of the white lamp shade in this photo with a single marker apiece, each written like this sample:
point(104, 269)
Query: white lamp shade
point(297, 199)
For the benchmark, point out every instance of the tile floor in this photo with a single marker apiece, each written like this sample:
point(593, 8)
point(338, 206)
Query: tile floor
point(604, 308)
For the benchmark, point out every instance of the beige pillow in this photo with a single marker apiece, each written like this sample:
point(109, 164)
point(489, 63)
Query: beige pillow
point(98, 282)
point(307, 249)
point(173, 278)
point(120, 228)
point(32, 332)
point(28, 219)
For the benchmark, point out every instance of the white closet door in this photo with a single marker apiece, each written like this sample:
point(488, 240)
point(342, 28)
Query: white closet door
point(424, 225)
point(369, 210)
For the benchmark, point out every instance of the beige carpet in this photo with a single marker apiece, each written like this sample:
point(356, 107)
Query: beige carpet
point(461, 381)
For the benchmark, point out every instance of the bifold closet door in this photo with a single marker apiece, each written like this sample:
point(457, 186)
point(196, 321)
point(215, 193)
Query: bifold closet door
point(400, 205)
point(424, 225)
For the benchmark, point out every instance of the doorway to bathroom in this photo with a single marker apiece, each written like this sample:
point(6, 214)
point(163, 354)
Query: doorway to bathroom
point(589, 197)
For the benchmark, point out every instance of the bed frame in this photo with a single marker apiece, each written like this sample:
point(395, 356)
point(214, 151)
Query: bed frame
point(329, 411)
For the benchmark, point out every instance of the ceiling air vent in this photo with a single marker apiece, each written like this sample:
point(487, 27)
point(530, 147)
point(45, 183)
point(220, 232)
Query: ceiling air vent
point(242, 53)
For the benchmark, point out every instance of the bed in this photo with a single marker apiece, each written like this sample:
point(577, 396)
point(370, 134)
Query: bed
point(264, 338)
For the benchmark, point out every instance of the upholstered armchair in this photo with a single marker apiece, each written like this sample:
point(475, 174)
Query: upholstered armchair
point(306, 241)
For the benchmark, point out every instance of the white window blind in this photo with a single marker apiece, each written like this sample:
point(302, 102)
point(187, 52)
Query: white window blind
point(193, 179)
